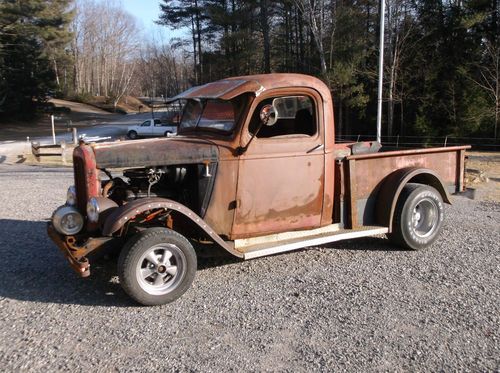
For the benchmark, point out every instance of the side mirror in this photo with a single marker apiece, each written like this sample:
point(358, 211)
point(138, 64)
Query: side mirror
point(268, 115)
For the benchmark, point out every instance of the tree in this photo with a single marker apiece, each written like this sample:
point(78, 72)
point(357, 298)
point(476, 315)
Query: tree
point(314, 13)
point(400, 26)
point(186, 13)
point(56, 39)
point(265, 27)
point(33, 37)
point(161, 70)
point(487, 78)
point(105, 48)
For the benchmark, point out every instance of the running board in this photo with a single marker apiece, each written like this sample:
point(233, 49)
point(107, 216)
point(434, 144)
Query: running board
point(276, 247)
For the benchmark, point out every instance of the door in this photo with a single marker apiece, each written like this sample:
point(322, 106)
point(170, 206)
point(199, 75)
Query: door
point(158, 128)
point(281, 175)
point(145, 128)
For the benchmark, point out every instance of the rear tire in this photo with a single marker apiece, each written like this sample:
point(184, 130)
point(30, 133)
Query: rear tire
point(156, 266)
point(167, 134)
point(132, 135)
point(418, 217)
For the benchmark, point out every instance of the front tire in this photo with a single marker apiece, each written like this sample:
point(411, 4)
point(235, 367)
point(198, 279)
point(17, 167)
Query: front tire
point(132, 135)
point(418, 217)
point(157, 266)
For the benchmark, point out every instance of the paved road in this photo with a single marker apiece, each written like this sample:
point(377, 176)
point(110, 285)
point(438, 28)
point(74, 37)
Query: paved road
point(110, 130)
point(360, 305)
point(114, 129)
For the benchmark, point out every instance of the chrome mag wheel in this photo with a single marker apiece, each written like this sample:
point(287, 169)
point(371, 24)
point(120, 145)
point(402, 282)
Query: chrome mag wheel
point(425, 217)
point(161, 268)
point(156, 266)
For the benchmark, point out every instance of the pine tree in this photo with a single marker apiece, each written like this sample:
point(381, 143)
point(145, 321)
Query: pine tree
point(33, 34)
point(190, 14)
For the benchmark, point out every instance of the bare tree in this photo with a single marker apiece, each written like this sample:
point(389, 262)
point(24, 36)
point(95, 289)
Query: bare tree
point(488, 79)
point(399, 29)
point(105, 48)
point(315, 14)
point(162, 70)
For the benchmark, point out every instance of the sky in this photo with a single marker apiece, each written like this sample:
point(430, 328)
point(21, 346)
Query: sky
point(147, 12)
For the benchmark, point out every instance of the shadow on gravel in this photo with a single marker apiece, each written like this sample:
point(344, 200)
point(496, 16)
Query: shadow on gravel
point(365, 244)
point(34, 270)
point(211, 256)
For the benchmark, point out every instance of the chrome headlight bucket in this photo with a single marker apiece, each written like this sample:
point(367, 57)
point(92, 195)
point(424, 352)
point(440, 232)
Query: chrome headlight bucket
point(99, 208)
point(93, 210)
point(71, 196)
point(67, 220)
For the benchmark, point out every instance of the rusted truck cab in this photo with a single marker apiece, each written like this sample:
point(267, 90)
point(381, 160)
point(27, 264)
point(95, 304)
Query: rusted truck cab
point(255, 170)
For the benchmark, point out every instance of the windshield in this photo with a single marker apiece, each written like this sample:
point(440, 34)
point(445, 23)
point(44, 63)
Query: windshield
point(208, 114)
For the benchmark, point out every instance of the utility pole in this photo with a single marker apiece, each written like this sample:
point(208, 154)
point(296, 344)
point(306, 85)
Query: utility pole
point(380, 70)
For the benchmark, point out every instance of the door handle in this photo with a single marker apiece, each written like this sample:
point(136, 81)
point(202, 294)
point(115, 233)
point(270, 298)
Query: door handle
point(317, 147)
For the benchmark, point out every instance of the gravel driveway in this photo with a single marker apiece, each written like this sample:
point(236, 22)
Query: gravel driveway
point(358, 305)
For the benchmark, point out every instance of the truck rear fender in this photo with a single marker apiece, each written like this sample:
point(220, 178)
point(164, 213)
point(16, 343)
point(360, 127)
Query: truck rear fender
point(123, 214)
point(393, 185)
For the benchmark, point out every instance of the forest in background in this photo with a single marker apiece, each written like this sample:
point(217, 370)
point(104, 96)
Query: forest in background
point(441, 71)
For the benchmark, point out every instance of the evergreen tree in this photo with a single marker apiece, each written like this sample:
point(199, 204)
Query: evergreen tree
point(190, 14)
point(33, 35)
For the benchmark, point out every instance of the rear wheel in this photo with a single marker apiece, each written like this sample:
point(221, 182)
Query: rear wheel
point(418, 217)
point(132, 135)
point(157, 266)
point(167, 134)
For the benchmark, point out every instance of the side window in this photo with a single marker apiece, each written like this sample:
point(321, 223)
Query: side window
point(157, 123)
point(146, 124)
point(296, 116)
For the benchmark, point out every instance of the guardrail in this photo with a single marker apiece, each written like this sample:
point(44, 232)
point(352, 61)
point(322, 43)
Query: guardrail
point(39, 150)
point(52, 154)
point(62, 152)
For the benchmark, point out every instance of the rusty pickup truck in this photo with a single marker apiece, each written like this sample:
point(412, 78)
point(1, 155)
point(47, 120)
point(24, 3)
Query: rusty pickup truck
point(254, 170)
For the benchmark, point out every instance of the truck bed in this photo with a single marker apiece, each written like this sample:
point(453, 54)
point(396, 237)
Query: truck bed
point(361, 177)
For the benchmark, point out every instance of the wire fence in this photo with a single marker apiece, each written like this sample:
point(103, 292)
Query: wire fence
point(402, 142)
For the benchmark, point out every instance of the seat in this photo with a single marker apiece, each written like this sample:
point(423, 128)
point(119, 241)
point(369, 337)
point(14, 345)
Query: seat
point(304, 122)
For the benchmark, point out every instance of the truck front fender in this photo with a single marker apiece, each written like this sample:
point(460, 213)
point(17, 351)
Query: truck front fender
point(123, 214)
point(393, 185)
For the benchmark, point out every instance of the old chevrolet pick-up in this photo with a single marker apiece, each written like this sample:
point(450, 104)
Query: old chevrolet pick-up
point(254, 170)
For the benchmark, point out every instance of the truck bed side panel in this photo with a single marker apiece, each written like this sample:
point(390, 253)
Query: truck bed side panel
point(366, 173)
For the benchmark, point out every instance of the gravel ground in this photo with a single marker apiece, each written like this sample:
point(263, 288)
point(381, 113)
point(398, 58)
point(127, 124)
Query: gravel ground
point(358, 305)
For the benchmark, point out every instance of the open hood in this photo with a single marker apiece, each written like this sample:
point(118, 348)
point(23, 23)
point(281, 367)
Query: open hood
point(154, 152)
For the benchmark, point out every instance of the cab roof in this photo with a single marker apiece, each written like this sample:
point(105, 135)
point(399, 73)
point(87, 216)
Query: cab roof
point(229, 88)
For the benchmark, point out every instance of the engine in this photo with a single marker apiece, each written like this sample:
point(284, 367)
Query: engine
point(190, 185)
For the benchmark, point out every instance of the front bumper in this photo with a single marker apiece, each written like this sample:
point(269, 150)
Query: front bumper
point(76, 254)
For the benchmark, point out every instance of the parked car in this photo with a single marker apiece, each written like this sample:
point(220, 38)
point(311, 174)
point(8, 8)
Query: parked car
point(151, 128)
point(256, 172)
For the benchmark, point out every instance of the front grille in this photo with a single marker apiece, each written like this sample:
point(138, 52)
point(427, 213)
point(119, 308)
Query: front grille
point(86, 176)
point(80, 183)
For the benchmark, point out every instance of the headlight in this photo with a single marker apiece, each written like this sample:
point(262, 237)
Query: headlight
point(67, 220)
point(71, 196)
point(93, 210)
